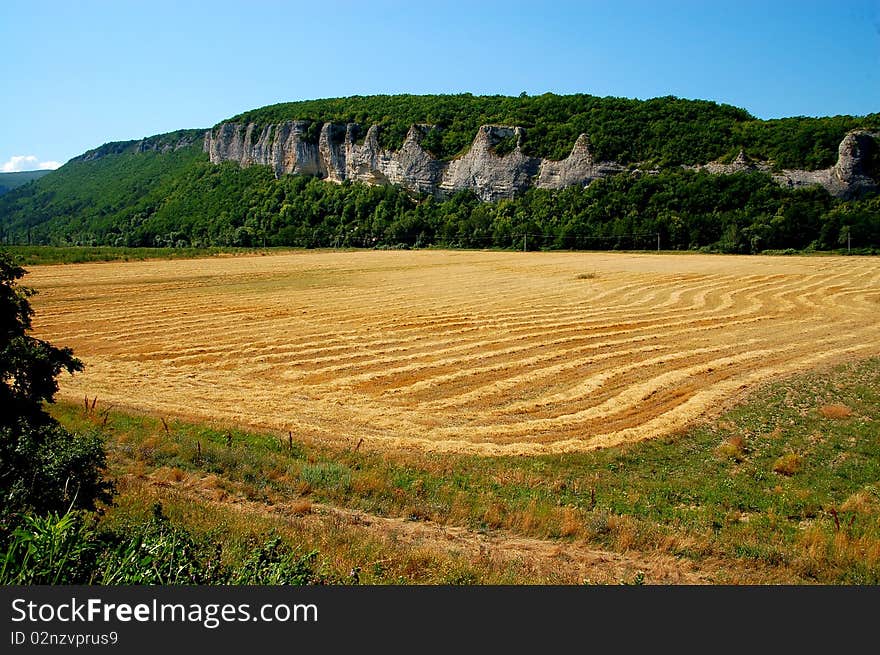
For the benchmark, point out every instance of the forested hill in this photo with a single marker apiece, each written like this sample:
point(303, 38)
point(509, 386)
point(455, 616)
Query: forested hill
point(164, 191)
point(665, 131)
point(10, 181)
point(162, 143)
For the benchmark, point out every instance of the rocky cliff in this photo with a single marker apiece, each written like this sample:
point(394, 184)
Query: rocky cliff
point(336, 155)
point(849, 177)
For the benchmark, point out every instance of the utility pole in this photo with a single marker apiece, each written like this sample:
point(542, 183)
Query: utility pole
point(525, 236)
point(658, 242)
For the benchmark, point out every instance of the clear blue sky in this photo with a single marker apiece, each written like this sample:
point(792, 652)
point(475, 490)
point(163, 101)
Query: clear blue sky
point(76, 74)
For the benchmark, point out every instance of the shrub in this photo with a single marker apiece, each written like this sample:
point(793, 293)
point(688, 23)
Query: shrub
point(788, 464)
point(732, 448)
point(43, 468)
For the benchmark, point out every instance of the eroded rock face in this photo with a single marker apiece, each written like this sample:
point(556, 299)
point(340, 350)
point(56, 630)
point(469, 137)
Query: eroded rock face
point(852, 160)
point(336, 156)
point(578, 168)
point(489, 175)
point(848, 177)
point(414, 168)
point(740, 164)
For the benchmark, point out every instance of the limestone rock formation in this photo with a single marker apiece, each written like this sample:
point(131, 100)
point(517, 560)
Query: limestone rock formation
point(489, 175)
point(740, 164)
point(578, 168)
point(849, 177)
point(335, 155)
point(852, 155)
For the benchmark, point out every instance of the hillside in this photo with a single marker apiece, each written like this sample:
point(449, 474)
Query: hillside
point(564, 173)
point(10, 181)
point(663, 131)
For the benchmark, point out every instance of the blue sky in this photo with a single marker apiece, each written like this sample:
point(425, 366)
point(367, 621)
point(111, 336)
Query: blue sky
point(77, 74)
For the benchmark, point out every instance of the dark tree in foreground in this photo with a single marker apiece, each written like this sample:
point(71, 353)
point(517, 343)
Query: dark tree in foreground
point(43, 467)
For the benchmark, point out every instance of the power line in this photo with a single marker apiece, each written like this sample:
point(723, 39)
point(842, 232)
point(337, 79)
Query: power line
point(575, 238)
point(579, 236)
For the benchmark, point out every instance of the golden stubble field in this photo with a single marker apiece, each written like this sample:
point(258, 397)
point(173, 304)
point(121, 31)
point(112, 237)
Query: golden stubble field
point(456, 351)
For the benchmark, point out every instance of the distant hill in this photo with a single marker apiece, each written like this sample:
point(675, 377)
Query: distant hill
point(9, 181)
point(559, 171)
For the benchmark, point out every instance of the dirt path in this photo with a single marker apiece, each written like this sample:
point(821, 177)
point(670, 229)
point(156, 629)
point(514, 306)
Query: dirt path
point(539, 556)
point(571, 562)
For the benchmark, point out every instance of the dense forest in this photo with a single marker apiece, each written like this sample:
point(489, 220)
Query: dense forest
point(163, 191)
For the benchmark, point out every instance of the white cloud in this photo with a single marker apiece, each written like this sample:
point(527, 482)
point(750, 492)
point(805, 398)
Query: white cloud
point(19, 163)
point(27, 163)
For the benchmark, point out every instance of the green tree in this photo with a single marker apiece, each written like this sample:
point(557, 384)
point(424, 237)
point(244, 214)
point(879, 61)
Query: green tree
point(43, 467)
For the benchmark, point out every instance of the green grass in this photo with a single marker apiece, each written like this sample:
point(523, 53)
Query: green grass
point(37, 255)
point(773, 491)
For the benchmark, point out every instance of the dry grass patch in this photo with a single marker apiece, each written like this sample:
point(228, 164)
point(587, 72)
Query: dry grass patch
point(835, 411)
point(495, 515)
point(571, 522)
point(863, 548)
point(168, 475)
point(861, 502)
point(823, 550)
point(624, 531)
point(301, 507)
point(369, 483)
point(529, 520)
point(278, 475)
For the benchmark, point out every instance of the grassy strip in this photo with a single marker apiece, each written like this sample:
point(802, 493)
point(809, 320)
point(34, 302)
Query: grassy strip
point(782, 489)
point(38, 255)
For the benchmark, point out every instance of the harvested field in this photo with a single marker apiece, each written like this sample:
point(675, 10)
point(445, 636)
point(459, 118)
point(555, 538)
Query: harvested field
point(461, 351)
